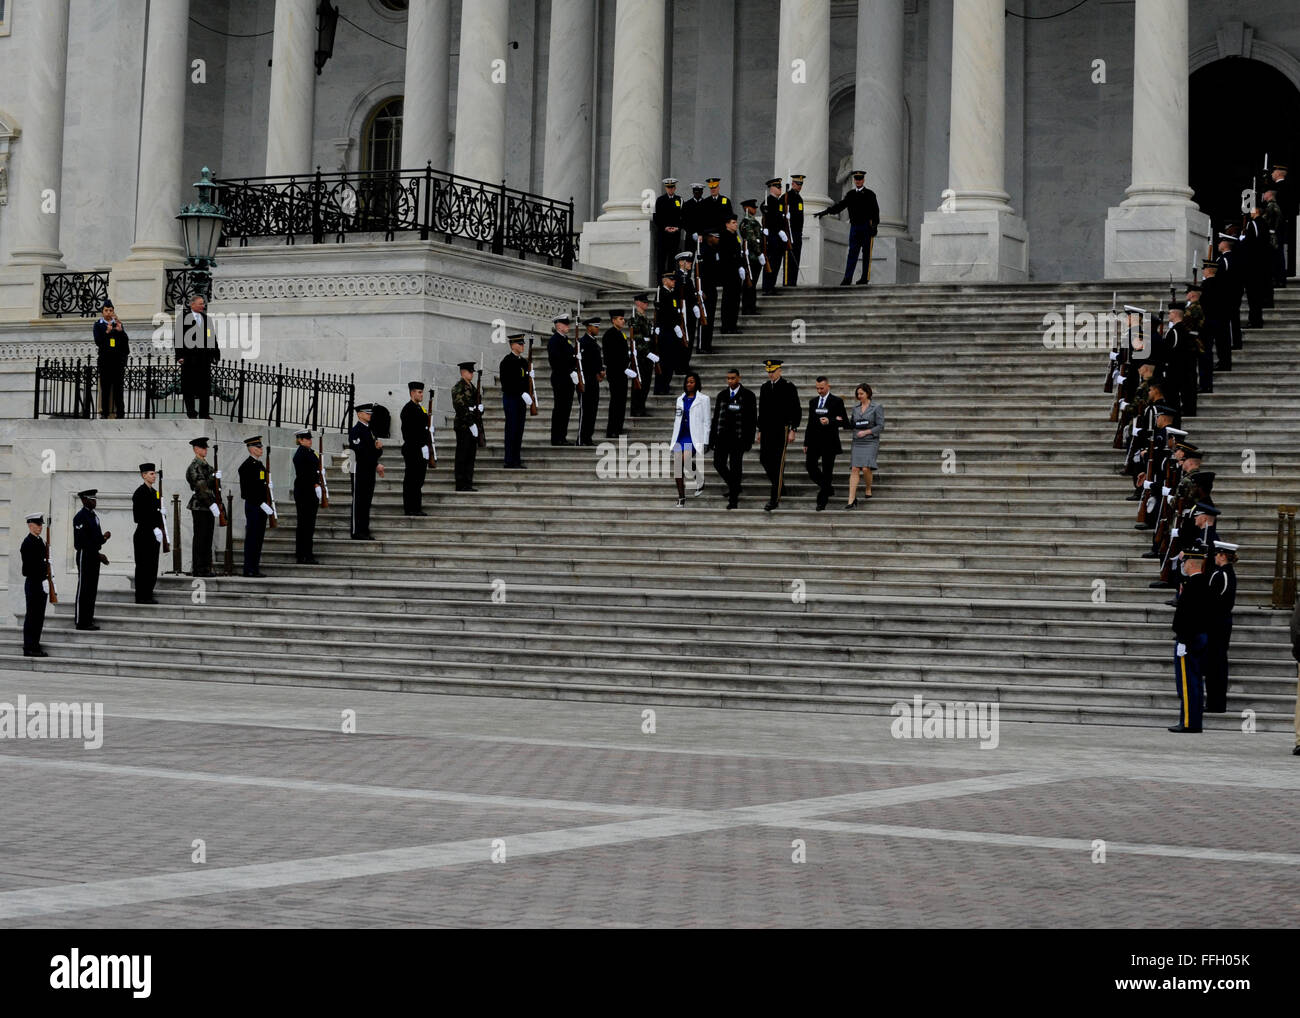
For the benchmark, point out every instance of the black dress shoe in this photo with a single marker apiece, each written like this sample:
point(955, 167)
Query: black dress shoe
point(846, 282)
point(1135, 497)
point(35, 653)
point(1142, 526)
point(362, 537)
point(863, 282)
point(311, 560)
point(733, 504)
point(92, 628)
point(1184, 731)
point(769, 507)
point(1296, 751)
point(821, 507)
point(1160, 585)
point(1150, 554)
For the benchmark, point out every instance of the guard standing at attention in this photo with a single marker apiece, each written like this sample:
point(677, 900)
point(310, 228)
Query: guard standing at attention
point(779, 417)
point(88, 537)
point(417, 448)
point(255, 490)
point(669, 332)
point(668, 222)
point(1223, 597)
point(146, 511)
point(593, 373)
point(621, 371)
point(775, 239)
point(468, 423)
point(751, 235)
point(515, 399)
point(562, 355)
point(36, 588)
point(203, 507)
point(307, 497)
point(1191, 624)
point(366, 450)
point(646, 344)
point(793, 199)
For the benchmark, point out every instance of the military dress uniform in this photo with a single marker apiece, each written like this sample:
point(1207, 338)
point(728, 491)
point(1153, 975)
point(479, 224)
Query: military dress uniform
point(670, 331)
point(307, 497)
point(731, 275)
point(35, 589)
point(513, 372)
point(255, 490)
point(561, 354)
point(751, 236)
point(1222, 586)
point(668, 223)
point(693, 213)
point(1190, 625)
point(1231, 269)
point(735, 421)
point(618, 361)
point(417, 451)
point(646, 344)
point(361, 440)
point(716, 209)
point(773, 214)
point(468, 422)
point(794, 217)
point(88, 538)
point(864, 219)
point(146, 512)
point(1257, 256)
point(689, 296)
point(779, 413)
point(593, 367)
point(204, 511)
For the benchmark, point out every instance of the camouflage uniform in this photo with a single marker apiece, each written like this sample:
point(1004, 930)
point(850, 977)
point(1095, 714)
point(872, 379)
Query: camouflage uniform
point(751, 235)
point(464, 401)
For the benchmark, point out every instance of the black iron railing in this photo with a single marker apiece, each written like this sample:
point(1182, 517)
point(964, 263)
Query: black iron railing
point(323, 207)
point(73, 293)
point(182, 284)
point(241, 391)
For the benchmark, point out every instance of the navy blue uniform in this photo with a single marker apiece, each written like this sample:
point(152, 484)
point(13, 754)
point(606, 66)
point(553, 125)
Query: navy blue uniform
point(562, 356)
point(778, 412)
point(513, 373)
point(1223, 597)
point(253, 489)
point(87, 539)
point(415, 437)
point(306, 464)
point(864, 218)
point(33, 555)
point(589, 404)
point(146, 511)
point(366, 460)
point(1191, 623)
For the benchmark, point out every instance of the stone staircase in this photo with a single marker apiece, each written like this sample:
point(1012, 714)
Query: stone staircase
point(997, 562)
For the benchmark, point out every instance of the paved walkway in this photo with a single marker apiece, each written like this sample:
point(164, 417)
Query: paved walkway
point(597, 823)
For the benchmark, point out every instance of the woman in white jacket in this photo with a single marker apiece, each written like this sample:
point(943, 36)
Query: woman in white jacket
point(690, 436)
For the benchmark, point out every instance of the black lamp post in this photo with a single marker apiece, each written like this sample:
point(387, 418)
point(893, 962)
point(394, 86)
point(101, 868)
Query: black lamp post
point(201, 223)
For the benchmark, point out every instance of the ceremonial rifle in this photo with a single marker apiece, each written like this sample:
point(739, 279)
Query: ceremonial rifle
point(478, 414)
point(49, 527)
point(703, 318)
point(428, 417)
point(636, 363)
point(1112, 368)
point(789, 243)
point(320, 476)
point(269, 487)
point(216, 486)
point(1148, 481)
point(532, 391)
point(162, 511)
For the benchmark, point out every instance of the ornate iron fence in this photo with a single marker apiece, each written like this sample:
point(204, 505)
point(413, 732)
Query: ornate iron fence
point(184, 283)
point(73, 293)
point(332, 206)
point(241, 391)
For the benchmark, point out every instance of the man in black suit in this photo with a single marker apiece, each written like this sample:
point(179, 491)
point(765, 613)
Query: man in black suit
point(196, 351)
point(864, 219)
point(821, 442)
point(88, 538)
point(620, 371)
point(114, 347)
point(146, 511)
point(779, 417)
point(735, 419)
point(562, 355)
point(417, 448)
point(668, 223)
point(36, 588)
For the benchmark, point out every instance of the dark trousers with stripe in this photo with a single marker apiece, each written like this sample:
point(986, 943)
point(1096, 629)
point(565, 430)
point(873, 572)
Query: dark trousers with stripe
point(83, 609)
point(305, 532)
point(363, 493)
point(203, 524)
point(516, 414)
point(146, 548)
point(34, 621)
point(859, 243)
point(1216, 667)
point(254, 532)
point(1189, 671)
point(417, 468)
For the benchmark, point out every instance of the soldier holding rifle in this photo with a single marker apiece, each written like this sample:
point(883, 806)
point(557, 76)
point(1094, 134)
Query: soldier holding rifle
point(779, 417)
point(516, 398)
point(468, 426)
point(204, 507)
point(146, 510)
point(255, 490)
point(36, 585)
point(308, 496)
point(621, 368)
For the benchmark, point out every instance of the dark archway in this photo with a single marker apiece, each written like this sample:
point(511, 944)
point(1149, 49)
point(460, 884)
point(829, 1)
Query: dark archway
point(1240, 110)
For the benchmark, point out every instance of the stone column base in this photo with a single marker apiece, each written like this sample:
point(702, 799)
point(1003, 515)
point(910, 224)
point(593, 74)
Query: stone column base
point(20, 291)
point(620, 245)
point(137, 287)
point(895, 260)
point(1155, 241)
point(974, 246)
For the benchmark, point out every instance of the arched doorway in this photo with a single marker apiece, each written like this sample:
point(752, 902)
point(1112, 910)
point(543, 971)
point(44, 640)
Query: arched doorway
point(1241, 109)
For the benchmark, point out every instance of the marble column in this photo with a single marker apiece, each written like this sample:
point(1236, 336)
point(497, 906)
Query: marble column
point(976, 235)
point(37, 191)
point(938, 94)
point(1156, 229)
point(566, 164)
point(481, 90)
point(620, 238)
point(879, 138)
point(803, 125)
point(425, 99)
point(293, 90)
point(160, 190)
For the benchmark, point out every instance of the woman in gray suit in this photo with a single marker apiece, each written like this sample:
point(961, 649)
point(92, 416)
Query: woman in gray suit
point(866, 421)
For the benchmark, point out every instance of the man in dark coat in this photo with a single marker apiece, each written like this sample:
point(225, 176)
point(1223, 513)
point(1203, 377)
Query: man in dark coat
point(196, 352)
point(864, 220)
point(516, 400)
point(366, 451)
point(146, 511)
point(793, 199)
point(821, 442)
point(308, 494)
point(1223, 598)
point(735, 420)
point(620, 371)
point(114, 347)
point(255, 490)
point(775, 236)
point(417, 448)
point(593, 373)
point(88, 538)
point(668, 223)
point(562, 355)
point(36, 588)
point(779, 417)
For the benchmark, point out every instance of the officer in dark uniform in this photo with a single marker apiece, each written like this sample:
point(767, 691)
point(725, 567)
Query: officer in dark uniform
point(146, 511)
point(417, 448)
point(692, 219)
point(668, 223)
point(468, 421)
point(731, 272)
point(620, 369)
point(36, 589)
point(1182, 359)
point(735, 419)
point(1223, 597)
point(751, 238)
point(709, 279)
point(687, 295)
point(646, 344)
point(513, 372)
point(1191, 625)
point(366, 451)
point(1232, 270)
point(255, 490)
point(821, 442)
point(307, 497)
point(793, 199)
point(593, 373)
point(669, 331)
point(779, 416)
point(1256, 250)
point(114, 347)
point(88, 537)
point(717, 206)
point(775, 237)
point(203, 507)
point(864, 220)
point(1280, 183)
point(562, 355)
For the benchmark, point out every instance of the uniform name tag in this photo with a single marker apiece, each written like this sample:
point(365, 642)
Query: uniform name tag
point(822, 411)
point(261, 475)
point(112, 342)
point(735, 406)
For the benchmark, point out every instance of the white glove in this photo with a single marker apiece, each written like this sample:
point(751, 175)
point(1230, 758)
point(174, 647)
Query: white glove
point(215, 510)
point(629, 372)
point(319, 493)
point(528, 400)
point(473, 430)
point(573, 377)
point(424, 451)
point(1165, 492)
point(695, 237)
point(1181, 649)
point(1146, 484)
point(742, 274)
point(218, 475)
point(532, 373)
point(762, 259)
point(1120, 379)
point(1114, 355)
point(266, 508)
point(1173, 531)
point(157, 535)
point(1123, 404)
point(479, 408)
point(45, 586)
point(781, 234)
point(764, 231)
point(653, 358)
point(696, 309)
point(677, 330)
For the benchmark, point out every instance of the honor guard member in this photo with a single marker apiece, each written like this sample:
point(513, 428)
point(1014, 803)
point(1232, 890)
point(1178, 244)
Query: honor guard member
point(307, 497)
point(692, 217)
point(514, 373)
point(36, 588)
point(1232, 270)
point(732, 274)
point(203, 507)
point(1257, 256)
point(1183, 357)
point(1271, 214)
point(669, 331)
point(366, 451)
point(1285, 193)
point(562, 355)
point(779, 416)
point(668, 222)
point(1223, 597)
point(88, 538)
point(775, 239)
point(254, 489)
point(709, 280)
point(196, 351)
point(793, 199)
point(146, 511)
point(735, 420)
point(717, 206)
point(821, 441)
point(647, 352)
point(751, 236)
point(417, 448)
point(469, 415)
point(1191, 624)
point(864, 219)
point(621, 371)
point(114, 347)
point(688, 296)
point(593, 373)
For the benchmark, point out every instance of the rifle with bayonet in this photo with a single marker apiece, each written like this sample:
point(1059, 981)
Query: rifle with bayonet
point(478, 403)
point(162, 511)
point(268, 495)
point(216, 486)
point(532, 390)
point(320, 475)
point(428, 419)
point(1147, 479)
point(49, 529)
